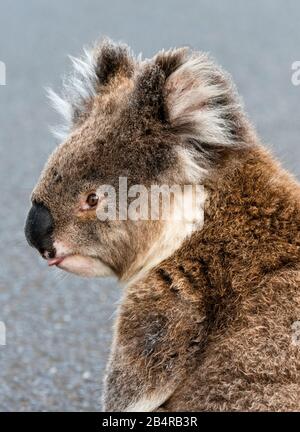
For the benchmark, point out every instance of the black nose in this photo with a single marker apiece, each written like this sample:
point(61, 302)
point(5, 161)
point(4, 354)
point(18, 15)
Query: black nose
point(39, 228)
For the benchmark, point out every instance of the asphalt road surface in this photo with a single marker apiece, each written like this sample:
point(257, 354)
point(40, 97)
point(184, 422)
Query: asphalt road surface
point(58, 326)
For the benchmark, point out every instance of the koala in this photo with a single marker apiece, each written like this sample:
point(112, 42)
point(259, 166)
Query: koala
point(210, 304)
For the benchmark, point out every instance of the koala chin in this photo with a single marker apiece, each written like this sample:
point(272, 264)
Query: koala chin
point(210, 300)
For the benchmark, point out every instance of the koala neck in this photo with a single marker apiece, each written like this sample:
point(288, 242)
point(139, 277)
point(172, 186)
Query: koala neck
point(174, 233)
point(248, 184)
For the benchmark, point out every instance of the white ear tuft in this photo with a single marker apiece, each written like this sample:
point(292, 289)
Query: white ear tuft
point(94, 69)
point(202, 101)
point(78, 89)
point(82, 84)
point(62, 106)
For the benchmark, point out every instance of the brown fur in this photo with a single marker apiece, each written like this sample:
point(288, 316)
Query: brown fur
point(216, 317)
point(208, 327)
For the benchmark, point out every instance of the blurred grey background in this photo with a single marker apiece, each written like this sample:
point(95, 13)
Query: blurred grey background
point(59, 326)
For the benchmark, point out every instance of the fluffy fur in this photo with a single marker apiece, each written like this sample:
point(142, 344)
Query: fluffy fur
point(207, 312)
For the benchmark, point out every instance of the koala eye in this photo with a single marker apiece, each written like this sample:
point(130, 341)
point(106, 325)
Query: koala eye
point(92, 200)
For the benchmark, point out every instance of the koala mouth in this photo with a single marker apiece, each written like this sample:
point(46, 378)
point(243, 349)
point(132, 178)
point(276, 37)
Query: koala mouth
point(56, 261)
point(81, 265)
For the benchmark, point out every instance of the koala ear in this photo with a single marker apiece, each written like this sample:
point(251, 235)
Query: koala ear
point(202, 102)
point(112, 59)
point(94, 70)
point(193, 95)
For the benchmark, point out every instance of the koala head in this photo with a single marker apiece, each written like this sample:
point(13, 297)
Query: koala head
point(165, 121)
